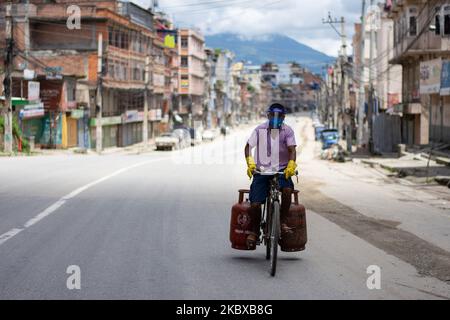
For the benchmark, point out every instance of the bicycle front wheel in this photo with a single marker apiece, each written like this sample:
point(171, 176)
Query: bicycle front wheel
point(267, 229)
point(274, 237)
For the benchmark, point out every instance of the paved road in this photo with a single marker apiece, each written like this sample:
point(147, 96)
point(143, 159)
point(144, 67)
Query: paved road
point(155, 226)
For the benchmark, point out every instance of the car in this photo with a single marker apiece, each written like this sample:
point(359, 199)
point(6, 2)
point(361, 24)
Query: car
point(318, 131)
point(329, 137)
point(167, 141)
point(244, 120)
point(177, 139)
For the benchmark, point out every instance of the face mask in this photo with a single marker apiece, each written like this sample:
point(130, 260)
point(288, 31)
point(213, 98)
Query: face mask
point(276, 123)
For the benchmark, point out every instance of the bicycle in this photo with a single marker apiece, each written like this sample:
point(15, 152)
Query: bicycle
point(270, 222)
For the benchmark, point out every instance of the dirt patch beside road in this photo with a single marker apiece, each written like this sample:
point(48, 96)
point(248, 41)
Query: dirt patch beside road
point(428, 259)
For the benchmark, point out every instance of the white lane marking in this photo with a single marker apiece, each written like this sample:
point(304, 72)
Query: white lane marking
point(45, 213)
point(8, 235)
point(58, 204)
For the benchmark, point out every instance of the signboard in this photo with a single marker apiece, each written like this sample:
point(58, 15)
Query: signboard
point(169, 41)
point(109, 121)
point(445, 78)
point(32, 111)
point(77, 114)
point(29, 74)
point(133, 116)
point(51, 94)
point(53, 73)
point(33, 90)
point(71, 104)
point(170, 37)
point(185, 83)
point(430, 76)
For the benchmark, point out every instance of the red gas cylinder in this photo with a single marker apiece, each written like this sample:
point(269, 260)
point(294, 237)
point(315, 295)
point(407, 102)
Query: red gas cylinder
point(296, 238)
point(242, 223)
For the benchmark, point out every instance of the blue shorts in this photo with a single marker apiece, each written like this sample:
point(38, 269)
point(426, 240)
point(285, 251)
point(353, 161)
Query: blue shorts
point(259, 190)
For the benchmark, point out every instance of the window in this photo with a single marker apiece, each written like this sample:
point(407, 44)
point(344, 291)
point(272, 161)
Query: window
point(403, 28)
point(116, 42)
point(412, 26)
point(447, 20)
point(125, 40)
point(412, 19)
point(111, 69)
point(184, 42)
point(437, 21)
point(184, 62)
point(110, 36)
point(71, 90)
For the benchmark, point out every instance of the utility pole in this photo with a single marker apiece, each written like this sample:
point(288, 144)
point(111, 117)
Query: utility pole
point(146, 97)
point(332, 97)
point(345, 99)
point(371, 75)
point(362, 88)
point(7, 84)
point(342, 65)
point(99, 106)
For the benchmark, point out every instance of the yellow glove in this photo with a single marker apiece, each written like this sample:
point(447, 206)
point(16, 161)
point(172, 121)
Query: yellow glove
point(290, 170)
point(251, 165)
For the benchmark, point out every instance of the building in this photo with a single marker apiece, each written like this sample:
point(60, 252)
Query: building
point(166, 40)
point(236, 97)
point(290, 74)
point(389, 76)
point(422, 47)
point(65, 63)
point(224, 87)
point(252, 74)
point(270, 73)
point(381, 130)
point(191, 76)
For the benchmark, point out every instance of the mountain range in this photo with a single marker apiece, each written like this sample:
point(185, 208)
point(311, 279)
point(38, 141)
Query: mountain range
point(269, 48)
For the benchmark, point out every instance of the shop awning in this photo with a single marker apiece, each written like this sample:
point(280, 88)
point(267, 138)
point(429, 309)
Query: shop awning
point(16, 101)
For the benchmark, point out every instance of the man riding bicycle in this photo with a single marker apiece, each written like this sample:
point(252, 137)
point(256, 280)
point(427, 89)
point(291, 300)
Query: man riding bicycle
point(275, 151)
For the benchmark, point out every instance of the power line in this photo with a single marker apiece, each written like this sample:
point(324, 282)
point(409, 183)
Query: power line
point(199, 4)
point(246, 8)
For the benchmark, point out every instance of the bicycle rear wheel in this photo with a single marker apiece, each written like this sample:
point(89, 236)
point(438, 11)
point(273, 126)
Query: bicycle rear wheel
point(274, 237)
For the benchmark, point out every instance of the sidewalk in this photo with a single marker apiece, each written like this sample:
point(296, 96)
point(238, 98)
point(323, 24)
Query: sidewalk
point(415, 165)
point(412, 167)
point(133, 149)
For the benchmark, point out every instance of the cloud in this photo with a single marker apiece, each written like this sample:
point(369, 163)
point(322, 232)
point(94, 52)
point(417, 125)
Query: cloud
point(299, 19)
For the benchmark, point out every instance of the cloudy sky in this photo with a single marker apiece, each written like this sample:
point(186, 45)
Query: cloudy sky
point(299, 19)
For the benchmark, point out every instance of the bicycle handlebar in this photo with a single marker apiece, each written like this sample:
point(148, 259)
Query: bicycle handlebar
point(270, 173)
